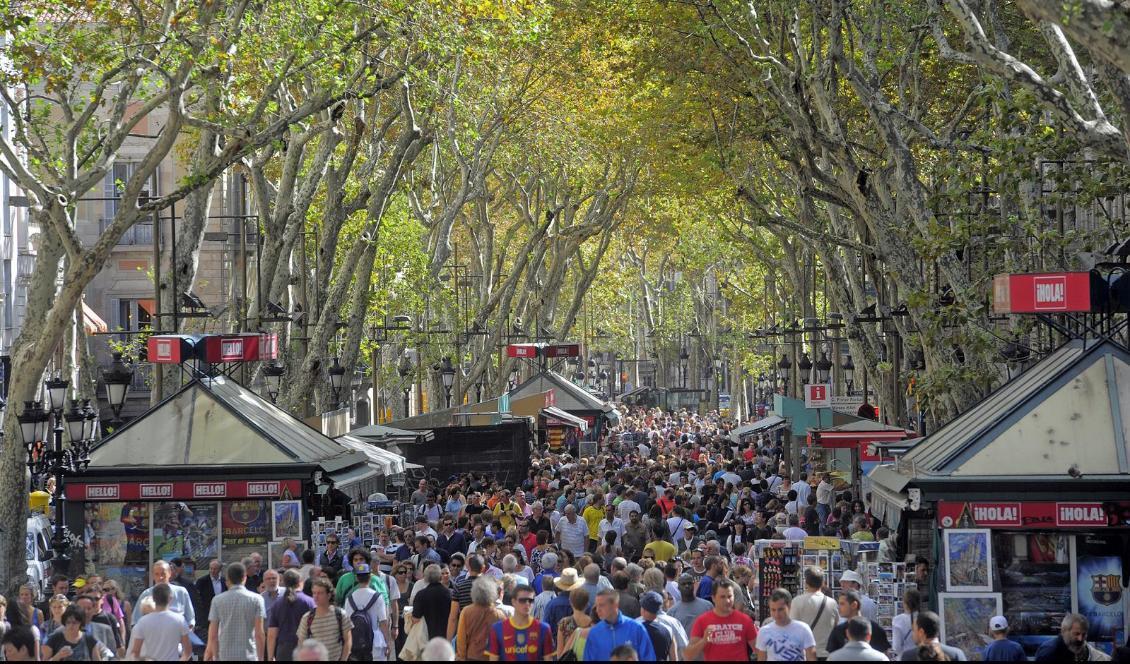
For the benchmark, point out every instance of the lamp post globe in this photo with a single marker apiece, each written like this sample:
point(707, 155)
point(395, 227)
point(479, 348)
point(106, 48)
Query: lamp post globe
point(76, 423)
point(848, 367)
point(56, 389)
point(336, 374)
point(32, 422)
point(447, 375)
point(272, 378)
point(823, 368)
point(117, 379)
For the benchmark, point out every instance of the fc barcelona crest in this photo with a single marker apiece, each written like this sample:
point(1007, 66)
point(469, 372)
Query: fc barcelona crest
point(1106, 589)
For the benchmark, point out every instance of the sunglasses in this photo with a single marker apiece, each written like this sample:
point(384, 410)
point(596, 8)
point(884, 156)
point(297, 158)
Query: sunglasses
point(400, 572)
point(524, 600)
point(456, 565)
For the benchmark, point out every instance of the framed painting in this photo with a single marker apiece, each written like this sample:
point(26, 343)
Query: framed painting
point(968, 560)
point(286, 519)
point(965, 620)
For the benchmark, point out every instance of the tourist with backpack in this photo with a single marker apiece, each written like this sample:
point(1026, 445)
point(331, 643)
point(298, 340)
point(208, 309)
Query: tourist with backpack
point(367, 613)
point(326, 623)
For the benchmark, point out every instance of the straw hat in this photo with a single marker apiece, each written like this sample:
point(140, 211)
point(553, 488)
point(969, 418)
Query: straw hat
point(569, 580)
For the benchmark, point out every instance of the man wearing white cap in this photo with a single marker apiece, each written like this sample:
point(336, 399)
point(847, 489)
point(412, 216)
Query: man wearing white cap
point(1002, 649)
point(851, 580)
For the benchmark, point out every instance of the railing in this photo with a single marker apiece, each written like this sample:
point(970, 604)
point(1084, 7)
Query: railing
point(25, 266)
point(138, 235)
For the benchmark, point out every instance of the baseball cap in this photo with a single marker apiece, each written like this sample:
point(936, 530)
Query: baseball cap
point(998, 623)
point(651, 601)
point(362, 569)
point(686, 580)
point(850, 575)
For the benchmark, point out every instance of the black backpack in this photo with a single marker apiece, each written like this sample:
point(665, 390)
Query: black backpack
point(362, 630)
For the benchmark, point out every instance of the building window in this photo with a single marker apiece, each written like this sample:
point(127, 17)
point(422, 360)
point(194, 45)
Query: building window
point(115, 183)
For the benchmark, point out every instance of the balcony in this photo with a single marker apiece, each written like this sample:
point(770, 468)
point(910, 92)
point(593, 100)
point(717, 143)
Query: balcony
point(140, 235)
point(25, 266)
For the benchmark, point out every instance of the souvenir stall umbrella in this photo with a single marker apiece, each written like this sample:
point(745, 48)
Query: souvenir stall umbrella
point(1023, 501)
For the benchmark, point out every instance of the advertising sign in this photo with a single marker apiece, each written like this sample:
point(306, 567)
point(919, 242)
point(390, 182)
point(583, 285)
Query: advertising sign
point(1028, 514)
point(1099, 589)
point(1042, 293)
point(158, 491)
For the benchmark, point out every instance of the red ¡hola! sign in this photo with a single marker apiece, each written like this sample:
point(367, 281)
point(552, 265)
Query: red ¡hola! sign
point(1022, 514)
point(1042, 293)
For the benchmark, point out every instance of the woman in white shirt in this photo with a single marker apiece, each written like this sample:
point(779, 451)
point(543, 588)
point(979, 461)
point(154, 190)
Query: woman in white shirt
point(903, 624)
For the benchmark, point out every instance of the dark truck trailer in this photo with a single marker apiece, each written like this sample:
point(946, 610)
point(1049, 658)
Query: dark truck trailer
point(499, 451)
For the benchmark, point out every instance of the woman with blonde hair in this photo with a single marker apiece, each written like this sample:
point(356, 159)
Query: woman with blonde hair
point(653, 580)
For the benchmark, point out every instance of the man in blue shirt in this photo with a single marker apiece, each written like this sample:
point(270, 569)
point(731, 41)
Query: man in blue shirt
point(1002, 649)
point(613, 630)
point(559, 607)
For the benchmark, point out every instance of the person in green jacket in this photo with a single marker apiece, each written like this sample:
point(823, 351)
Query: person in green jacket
point(347, 583)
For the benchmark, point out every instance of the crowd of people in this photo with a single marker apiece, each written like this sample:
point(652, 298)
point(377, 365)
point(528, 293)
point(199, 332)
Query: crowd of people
point(645, 552)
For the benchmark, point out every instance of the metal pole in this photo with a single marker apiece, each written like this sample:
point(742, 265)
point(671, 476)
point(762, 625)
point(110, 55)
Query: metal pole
point(59, 543)
point(156, 324)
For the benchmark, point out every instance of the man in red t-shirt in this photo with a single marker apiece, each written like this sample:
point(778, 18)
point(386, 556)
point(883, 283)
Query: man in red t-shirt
point(723, 634)
point(666, 502)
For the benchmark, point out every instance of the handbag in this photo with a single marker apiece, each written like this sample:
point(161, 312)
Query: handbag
point(414, 644)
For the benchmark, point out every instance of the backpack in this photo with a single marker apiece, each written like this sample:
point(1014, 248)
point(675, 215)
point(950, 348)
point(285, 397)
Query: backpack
point(362, 629)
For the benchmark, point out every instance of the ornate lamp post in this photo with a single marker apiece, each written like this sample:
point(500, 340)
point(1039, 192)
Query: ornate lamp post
point(60, 461)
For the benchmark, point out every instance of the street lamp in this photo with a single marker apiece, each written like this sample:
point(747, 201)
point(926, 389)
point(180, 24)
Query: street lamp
point(272, 379)
point(56, 393)
point(823, 368)
point(849, 373)
point(118, 379)
point(683, 357)
point(783, 367)
point(447, 375)
point(58, 461)
point(336, 374)
point(805, 368)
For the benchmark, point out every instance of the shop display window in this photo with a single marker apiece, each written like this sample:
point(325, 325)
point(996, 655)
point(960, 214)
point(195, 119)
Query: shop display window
point(1035, 580)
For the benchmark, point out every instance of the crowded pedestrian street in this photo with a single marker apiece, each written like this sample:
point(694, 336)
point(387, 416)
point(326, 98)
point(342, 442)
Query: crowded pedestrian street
point(565, 330)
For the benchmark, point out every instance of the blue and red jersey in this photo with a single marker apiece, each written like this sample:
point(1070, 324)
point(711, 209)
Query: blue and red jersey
point(511, 643)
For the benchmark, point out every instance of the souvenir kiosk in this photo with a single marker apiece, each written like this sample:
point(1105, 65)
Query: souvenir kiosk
point(1022, 503)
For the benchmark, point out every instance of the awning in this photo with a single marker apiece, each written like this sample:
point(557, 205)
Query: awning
point(92, 323)
point(383, 460)
point(764, 424)
point(554, 416)
point(150, 306)
point(886, 503)
point(347, 477)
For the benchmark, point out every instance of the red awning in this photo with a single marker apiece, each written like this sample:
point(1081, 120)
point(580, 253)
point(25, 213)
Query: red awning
point(92, 323)
point(849, 439)
point(150, 306)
